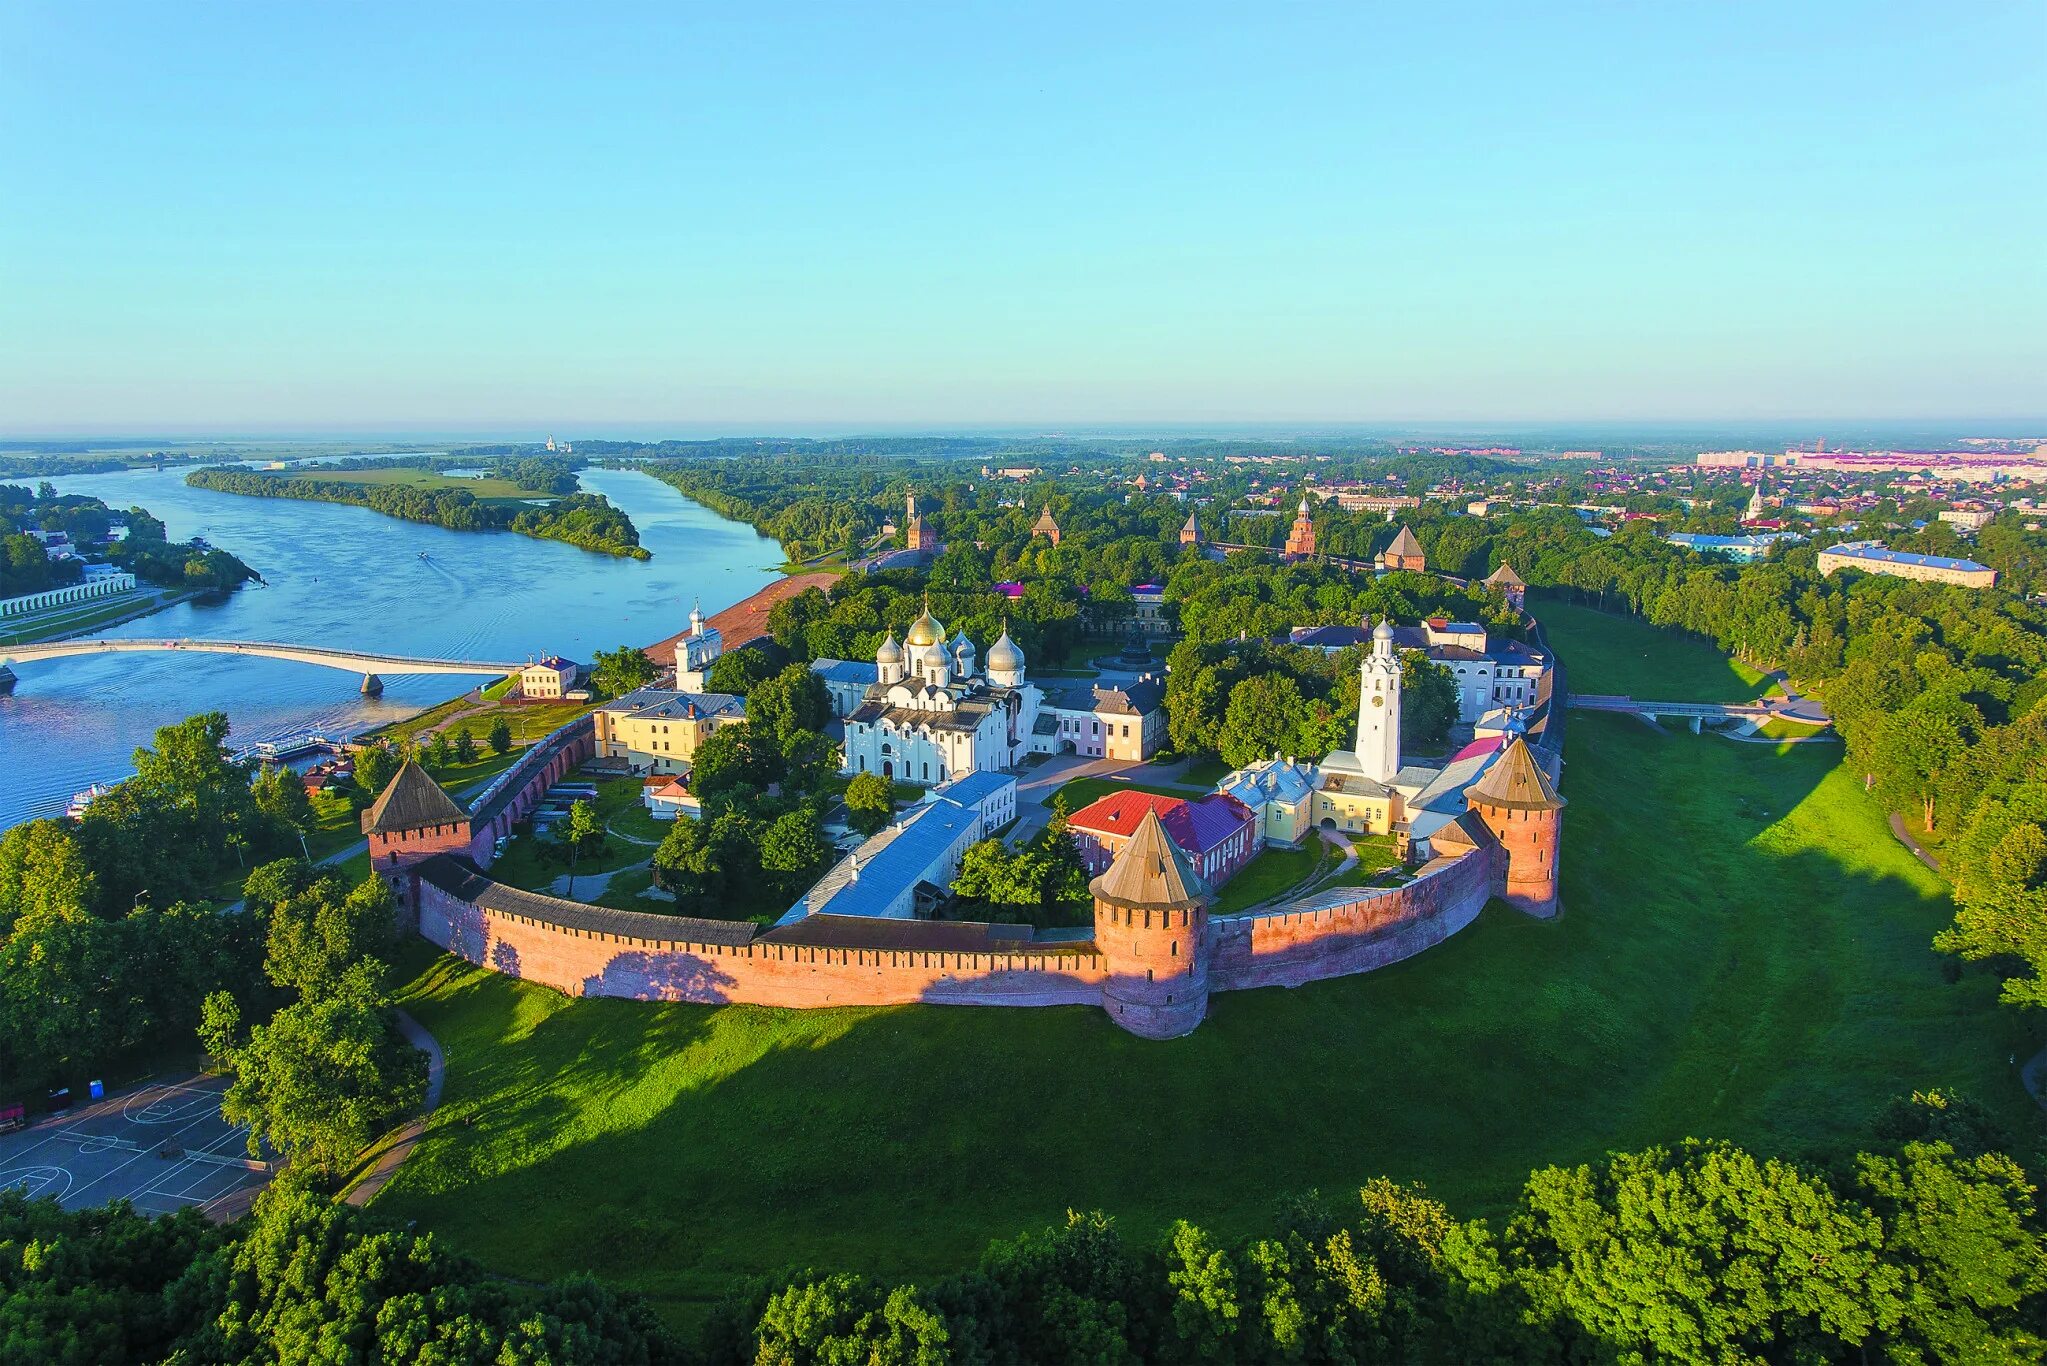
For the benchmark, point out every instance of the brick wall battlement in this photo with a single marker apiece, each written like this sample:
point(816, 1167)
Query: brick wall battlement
point(583, 951)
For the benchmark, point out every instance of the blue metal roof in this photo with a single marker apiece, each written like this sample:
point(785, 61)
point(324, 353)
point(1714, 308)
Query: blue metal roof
point(846, 670)
point(974, 788)
point(1880, 555)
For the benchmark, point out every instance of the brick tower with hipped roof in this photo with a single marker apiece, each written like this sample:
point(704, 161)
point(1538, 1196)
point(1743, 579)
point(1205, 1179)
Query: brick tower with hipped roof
point(1404, 553)
point(1151, 928)
point(1046, 527)
point(1520, 805)
point(1510, 585)
point(413, 819)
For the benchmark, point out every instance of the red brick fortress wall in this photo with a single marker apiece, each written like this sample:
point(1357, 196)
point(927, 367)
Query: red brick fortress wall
point(1351, 931)
point(595, 963)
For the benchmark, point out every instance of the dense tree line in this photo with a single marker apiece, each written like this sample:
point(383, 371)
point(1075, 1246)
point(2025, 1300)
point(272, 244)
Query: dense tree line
point(1246, 700)
point(301, 1279)
point(109, 941)
point(587, 520)
point(1926, 1248)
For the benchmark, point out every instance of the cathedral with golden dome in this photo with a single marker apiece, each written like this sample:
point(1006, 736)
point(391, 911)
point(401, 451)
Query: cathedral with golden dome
point(935, 711)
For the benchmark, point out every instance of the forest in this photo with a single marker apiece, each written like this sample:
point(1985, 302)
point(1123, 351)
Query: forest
point(1925, 1247)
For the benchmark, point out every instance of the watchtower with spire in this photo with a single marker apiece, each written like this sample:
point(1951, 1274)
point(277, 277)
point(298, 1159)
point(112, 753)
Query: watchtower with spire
point(1151, 928)
point(1520, 806)
point(1045, 526)
point(1190, 534)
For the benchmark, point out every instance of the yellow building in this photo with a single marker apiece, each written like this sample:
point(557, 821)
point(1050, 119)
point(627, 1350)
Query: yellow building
point(657, 730)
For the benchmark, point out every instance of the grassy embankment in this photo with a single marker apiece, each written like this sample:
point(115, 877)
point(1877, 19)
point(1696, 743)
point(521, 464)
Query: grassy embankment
point(1744, 954)
point(1627, 657)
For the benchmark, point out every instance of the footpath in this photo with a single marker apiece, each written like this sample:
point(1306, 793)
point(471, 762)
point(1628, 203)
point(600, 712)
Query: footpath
point(401, 1147)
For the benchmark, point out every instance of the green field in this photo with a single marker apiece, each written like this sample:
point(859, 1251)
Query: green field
point(1743, 954)
point(1607, 653)
point(487, 490)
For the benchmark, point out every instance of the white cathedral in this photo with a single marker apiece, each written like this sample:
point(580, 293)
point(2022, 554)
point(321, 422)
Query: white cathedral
point(933, 714)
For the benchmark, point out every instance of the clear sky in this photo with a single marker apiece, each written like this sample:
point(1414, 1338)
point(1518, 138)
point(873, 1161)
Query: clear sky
point(237, 217)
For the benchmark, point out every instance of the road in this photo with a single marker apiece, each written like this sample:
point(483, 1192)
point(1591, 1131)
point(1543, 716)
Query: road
point(401, 1147)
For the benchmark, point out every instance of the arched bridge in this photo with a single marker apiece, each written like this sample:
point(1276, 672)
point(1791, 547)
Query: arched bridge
point(1799, 710)
point(370, 666)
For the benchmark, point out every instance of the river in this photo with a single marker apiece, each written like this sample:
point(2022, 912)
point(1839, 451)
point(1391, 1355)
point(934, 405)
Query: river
point(347, 576)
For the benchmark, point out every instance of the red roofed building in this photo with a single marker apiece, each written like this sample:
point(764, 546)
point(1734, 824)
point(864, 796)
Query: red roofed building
point(1217, 833)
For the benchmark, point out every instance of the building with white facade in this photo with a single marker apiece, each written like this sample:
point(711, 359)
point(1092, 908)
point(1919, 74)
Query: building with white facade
point(1490, 672)
point(696, 652)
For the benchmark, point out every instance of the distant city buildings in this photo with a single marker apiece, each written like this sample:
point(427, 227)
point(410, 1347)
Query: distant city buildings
point(1741, 549)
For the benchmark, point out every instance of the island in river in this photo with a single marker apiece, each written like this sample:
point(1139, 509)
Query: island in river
point(348, 577)
point(534, 497)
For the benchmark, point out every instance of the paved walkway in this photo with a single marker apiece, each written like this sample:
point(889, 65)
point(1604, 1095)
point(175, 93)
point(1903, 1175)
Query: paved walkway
point(1905, 838)
point(590, 885)
point(387, 1161)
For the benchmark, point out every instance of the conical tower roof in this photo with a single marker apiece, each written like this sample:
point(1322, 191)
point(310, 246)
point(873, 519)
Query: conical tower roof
point(1150, 872)
point(1504, 577)
point(1404, 544)
point(1192, 525)
point(1515, 781)
point(412, 801)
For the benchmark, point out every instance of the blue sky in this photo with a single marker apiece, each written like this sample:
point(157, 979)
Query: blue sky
point(258, 217)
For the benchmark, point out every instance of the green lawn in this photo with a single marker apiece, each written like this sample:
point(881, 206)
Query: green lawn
point(1205, 773)
point(486, 490)
point(1270, 872)
point(1609, 653)
point(1743, 953)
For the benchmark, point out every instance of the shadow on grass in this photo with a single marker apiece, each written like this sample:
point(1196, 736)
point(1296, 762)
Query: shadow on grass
point(1743, 954)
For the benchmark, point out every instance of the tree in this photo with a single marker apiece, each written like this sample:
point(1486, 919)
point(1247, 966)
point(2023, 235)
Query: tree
point(870, 802)
point(618, 672)
point(793, 700)
point(1428, 699)
point(794, 852)
point(322, 931)
point(1263, 718)
point(733, 757)
point(375, 766)
point(326, 1074)
point(1702, 1255)
point(43, 870)
point(738, 671)
point(499, 737)
point(465, 746)
point(282, 797)
point(583, 832)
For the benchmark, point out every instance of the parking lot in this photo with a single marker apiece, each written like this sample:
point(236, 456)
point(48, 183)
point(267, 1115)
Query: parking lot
point(162, 1147)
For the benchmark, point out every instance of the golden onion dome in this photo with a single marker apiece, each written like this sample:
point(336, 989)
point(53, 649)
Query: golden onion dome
point(925, 630)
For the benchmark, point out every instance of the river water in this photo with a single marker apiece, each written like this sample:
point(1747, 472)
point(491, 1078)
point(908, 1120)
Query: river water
point(350, 577)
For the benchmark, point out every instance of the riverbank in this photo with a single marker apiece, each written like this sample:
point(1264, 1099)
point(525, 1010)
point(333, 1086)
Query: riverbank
point(86, 618)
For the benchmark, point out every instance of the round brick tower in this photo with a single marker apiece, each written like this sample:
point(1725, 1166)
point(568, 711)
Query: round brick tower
point(1520, 805)
point(1151, 925)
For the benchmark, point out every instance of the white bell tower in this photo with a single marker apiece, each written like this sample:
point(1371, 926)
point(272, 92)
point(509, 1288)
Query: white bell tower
point(1378, 748)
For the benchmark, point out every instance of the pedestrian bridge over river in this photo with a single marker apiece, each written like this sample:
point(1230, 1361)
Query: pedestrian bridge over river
point(370, 666)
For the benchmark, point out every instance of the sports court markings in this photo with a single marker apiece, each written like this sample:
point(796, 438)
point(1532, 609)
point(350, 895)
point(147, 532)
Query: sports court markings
point(110, 1149)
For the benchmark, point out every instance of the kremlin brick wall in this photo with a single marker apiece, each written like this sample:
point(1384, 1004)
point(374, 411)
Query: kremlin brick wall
point(1330, 937)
